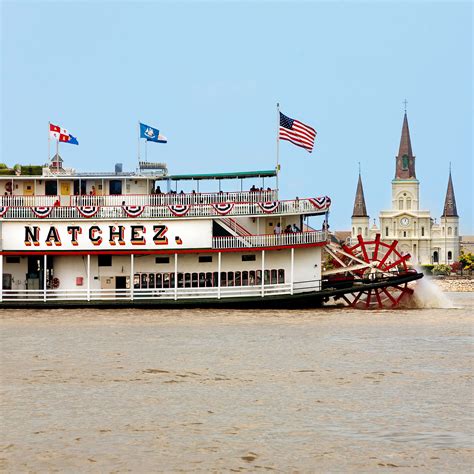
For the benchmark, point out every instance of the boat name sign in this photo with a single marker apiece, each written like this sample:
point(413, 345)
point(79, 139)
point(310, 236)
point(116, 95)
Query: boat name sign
point(72, 236)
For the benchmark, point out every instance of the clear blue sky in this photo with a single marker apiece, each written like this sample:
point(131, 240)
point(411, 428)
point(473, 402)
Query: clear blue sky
point(208, 75)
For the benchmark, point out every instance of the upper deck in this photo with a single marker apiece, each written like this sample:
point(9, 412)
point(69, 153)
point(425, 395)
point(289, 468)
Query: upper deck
point(63, 194)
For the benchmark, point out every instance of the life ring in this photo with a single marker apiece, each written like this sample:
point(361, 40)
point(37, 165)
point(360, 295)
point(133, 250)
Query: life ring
point(8, 186)
point(55, 282)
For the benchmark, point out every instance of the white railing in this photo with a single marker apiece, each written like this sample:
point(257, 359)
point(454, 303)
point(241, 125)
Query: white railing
point(168, 199)
point(28, 201)
point(300, 206)
point(269, 240)
point(48, 295)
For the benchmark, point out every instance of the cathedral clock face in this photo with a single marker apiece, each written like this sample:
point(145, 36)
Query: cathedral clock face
point(404, 221)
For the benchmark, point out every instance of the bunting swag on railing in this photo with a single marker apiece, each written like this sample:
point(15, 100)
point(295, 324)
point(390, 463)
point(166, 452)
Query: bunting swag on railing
point(88, 211)
point(133, 211)
point(179, 210)
point(320, 203)
point(3, 210)
point(269, 207)
point(223, 208)
point(42, 211)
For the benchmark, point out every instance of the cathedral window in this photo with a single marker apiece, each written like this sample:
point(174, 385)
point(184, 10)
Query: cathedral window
point(405, 162)
point(450, 231)
point(400, 204)
point(366, 232)
point(422, 231)
point(450, 255)
point(386, 231)
point(408, 203)
point(455, 231)
point(359, 230)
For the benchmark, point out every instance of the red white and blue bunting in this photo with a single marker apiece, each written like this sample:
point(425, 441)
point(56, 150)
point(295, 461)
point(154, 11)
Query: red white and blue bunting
point(321, 203)
point(3, 210)
point(133, 211)
point(269, 207)
point(179, 210)
point(88, 211)
point(42, 211)
point(223, 208)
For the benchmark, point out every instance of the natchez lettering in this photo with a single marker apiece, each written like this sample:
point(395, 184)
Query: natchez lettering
point(95, 234)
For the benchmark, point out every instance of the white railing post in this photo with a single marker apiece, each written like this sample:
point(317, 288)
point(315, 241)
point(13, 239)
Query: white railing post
point(219, 275)
point(175, 276)
point(132, 275)
point(263, 273)
point(45, 271)
point(292, 270)
point(88, 277)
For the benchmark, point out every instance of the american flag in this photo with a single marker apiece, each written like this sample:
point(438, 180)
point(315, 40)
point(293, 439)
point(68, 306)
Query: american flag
point(297, 132)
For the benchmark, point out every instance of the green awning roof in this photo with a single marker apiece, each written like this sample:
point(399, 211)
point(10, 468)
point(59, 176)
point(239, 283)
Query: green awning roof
point(230, 175)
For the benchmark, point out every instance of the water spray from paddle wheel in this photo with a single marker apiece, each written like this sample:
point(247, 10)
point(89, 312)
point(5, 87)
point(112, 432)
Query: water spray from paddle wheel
point(373, 271)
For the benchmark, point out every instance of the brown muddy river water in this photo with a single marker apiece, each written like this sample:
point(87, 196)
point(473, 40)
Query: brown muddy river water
point(325, 390)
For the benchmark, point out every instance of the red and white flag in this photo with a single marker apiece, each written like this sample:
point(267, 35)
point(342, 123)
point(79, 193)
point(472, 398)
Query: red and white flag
point(58, 133)
point(61, 135)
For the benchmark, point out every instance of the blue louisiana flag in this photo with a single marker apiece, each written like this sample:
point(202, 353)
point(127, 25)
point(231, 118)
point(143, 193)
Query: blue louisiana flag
point(149, 133)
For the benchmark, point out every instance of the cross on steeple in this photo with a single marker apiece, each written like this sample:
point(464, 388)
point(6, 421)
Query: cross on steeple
point(405, 102)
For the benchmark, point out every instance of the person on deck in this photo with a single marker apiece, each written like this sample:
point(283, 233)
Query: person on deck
point(277, 230)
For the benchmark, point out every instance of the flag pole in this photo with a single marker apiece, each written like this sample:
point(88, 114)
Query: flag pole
point(49, 142)
point(278, 148)
point(138, 143)
point(57, 155)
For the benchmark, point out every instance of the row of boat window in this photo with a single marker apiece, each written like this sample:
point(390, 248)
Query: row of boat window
point(208, 279)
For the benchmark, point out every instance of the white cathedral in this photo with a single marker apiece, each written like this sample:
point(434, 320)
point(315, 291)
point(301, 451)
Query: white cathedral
point(417, 233)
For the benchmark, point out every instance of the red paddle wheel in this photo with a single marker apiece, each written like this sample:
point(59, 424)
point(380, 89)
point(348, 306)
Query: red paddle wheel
point(375, 267)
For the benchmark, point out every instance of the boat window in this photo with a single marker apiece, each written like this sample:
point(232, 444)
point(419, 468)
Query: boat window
point(12, 259)
point(281, 275)
point(159, 280)
point(195, 280)
point(230, 279)
point(172, 280)
point(144, 282)
point(162, 260)
point(267, 277)
point(259, 277)
point(180, 280)
point(223, 279)
point(248, 258)
point(208, 279)
point(252, 277)
point(238, 281)
point(215, 279)
point(187, 280)
point(151, 280)
point(104, 260)
point(274, 280)
point(245, 278)
point(202, 279)
point(205, 258)
point(166, 280)
point(136, 280)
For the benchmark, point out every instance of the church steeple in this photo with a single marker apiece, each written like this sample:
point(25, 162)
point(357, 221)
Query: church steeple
point(450, 209)
point(405, 161)
point(359, 202)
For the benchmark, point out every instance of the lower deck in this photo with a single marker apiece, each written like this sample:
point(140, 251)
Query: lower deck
point(144, 278)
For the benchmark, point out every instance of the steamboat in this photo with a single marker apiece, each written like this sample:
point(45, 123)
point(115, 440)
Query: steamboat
point(71, 239)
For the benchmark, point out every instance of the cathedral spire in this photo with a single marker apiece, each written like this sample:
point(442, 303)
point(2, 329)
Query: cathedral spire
point(359, 202)
point(405, 161)
point(450, 209)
